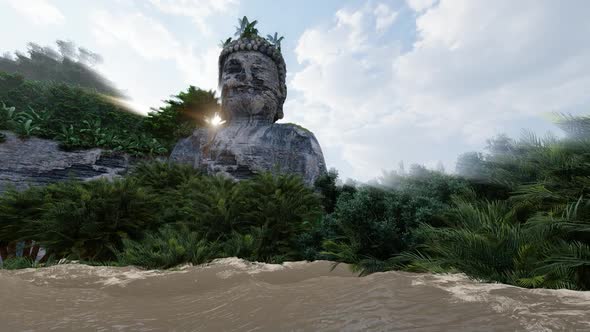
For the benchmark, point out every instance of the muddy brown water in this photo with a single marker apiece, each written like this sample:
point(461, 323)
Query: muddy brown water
point(234, 295)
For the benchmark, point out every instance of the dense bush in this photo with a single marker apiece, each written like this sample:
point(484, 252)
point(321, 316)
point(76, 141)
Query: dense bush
point(272, 210)
point(329, 189)
point(162, 176)
point(258, 219)
point(539, 236)
point(79, 220)
point(16, 263)
point(373, 223)
point(168, 247)
point(278, 209)
point(212, 206)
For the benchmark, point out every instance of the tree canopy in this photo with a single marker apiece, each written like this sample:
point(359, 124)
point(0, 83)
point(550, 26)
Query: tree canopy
point(68, 64)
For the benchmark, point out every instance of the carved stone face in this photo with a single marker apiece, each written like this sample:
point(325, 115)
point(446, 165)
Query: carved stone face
point(250, 88)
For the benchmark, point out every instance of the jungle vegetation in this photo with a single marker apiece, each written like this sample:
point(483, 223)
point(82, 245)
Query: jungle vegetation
point(80, 118)
point(517, 213)
point(58, 95)
point(68, 64)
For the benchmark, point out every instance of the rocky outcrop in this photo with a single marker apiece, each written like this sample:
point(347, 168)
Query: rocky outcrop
point(35, 161)
point(241, 151)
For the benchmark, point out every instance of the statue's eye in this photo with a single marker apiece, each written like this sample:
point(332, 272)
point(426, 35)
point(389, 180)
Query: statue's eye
point(256, 70)
point(233, 67)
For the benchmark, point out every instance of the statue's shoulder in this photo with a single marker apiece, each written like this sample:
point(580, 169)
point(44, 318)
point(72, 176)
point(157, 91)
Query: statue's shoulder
point(291, 129)
point(296, 138)
point(187, 148)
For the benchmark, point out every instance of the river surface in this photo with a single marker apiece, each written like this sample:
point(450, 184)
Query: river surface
point(234, 295)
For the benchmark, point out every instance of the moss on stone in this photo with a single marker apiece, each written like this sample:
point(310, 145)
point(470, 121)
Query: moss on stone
point(299, 126)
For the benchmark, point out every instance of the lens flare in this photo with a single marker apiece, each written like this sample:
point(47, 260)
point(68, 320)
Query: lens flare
point(215, 121)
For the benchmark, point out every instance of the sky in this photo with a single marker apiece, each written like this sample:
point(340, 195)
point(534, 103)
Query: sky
point(378, 82)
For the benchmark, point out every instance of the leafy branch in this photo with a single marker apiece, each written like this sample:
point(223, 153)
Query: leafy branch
point(246, 29)
point(275, 40)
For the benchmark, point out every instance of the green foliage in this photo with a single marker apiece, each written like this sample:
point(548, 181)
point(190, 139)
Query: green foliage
point(217, 204)
point(367, 227)
point(16, 263)
point(250, 31)
point(298, 126)
point(81, 119)
point(59, 96)
point(20, 212)
point(25, 124)
point(91, 219)
point(242, 23)
point(539, 236)
point(166, 248)
point(242, 245)
point(78, 220)
point(182, 114)
point(371, 224)
point(77, 118)
point(273, 209)
point(279, 206)
point(161, 176)
point(326, 185)
point(485, 241)
point(575, 127)
point(6, 116)
point(71, 65)
point(533, 232)
point(275, 40)
point(223, 44)
point(206, 217)
point(246, 29)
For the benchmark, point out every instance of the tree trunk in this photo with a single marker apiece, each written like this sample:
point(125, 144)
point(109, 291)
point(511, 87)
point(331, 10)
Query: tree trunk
point(11, 250)
point(44, 259)
point(35, 252)
point(3, 251)
point(27, 248)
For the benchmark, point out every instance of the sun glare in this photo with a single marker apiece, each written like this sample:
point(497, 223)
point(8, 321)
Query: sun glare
point(215, 121)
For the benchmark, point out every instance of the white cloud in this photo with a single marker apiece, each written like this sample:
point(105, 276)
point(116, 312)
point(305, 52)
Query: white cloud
point(384, 17)
point(420, 5)
point(145, 35)
point(343, 65)
point(38, 11)
point(477, 68)
point(152, 41)
point(484, 64)
point(197, 10)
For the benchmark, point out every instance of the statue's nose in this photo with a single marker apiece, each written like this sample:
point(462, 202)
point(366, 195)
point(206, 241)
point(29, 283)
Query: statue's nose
point(247, 75)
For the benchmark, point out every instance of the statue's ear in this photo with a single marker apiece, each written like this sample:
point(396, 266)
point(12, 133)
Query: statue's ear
point(279, 114)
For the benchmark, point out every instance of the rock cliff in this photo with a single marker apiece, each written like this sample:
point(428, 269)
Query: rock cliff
point(35, 161)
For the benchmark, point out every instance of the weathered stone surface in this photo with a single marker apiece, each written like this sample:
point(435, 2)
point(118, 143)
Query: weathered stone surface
point(243, 150)
point(253, 91)
point(36, 161)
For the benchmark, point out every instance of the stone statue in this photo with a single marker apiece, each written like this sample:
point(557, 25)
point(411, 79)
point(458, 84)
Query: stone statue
point(252, 80)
